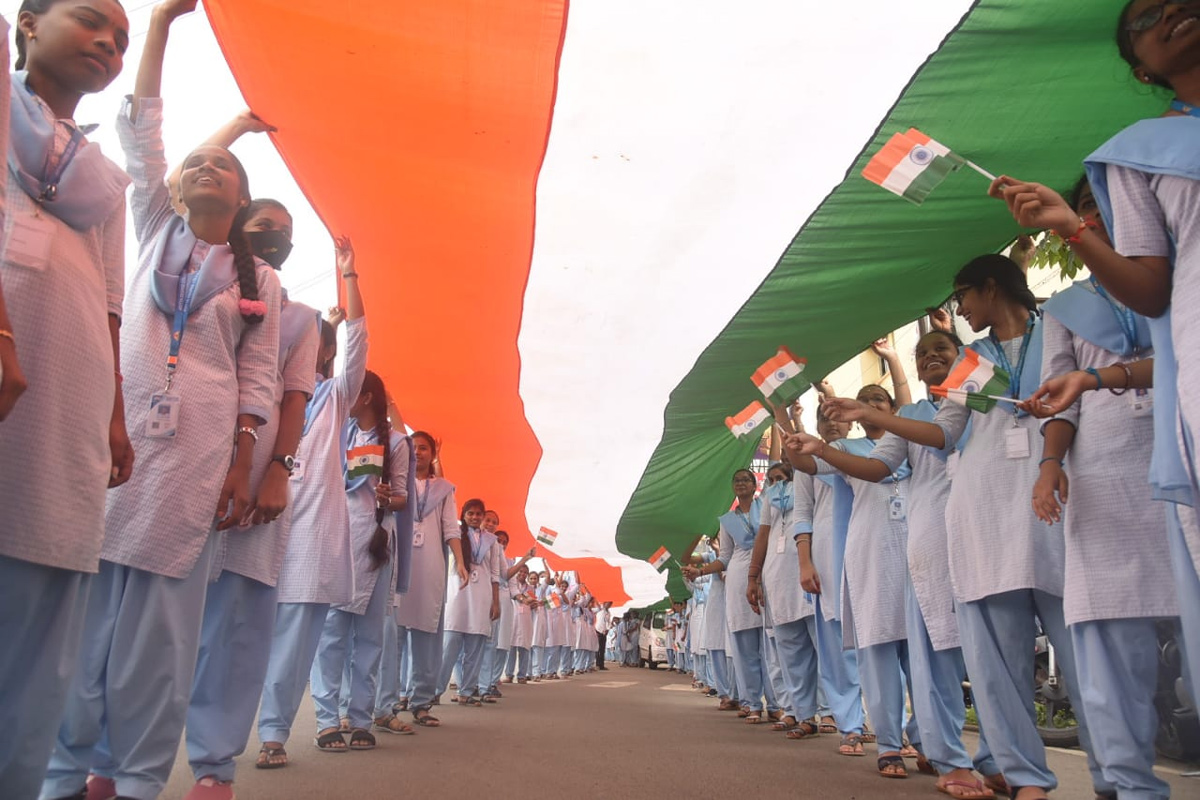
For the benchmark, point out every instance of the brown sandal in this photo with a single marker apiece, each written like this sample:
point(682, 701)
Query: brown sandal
point(753, 717)
point(891, 766)
point(805, 730)
point(390, 723)
point(784, 724)
point(851, 745)
point(269, 755)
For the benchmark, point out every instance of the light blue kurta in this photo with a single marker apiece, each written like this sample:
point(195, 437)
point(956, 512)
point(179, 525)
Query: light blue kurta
point(160, 520)
point(876, 570)
point(928, 542)
point(318, 565)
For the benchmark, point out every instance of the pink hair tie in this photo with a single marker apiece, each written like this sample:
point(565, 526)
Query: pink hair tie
point(252, 308)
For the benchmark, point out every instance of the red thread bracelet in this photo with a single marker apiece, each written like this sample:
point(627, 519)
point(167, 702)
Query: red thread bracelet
point(1084, 224)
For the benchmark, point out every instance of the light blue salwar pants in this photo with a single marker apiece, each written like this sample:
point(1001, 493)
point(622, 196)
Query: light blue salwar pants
point(141, 630)
point(355, 640)
point(1118, 674)
point(750, 669)
point(470, 646)
point(297, 633)
point(839, 674)
point(997, 635)
point(881, 668)
point(235, 648)
point(491, 669)
point(1187, 583)
point(938, 701)
point(797, 656)
point(718, 672)
point(395, 668)
point(537, 656)
point(517, 667)
point(42, 612)
point(425, 655)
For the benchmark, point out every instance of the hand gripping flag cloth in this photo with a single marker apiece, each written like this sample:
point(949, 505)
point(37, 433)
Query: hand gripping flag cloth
point(747, 420)
point(547, 536)
point(974, 382)
point(912, 165)
point(779, 378)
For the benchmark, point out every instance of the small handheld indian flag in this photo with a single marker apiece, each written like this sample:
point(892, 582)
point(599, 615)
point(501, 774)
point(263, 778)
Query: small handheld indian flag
point(554, 601)
point(547, 536)
point(747, 420)
point(912, 165)
point(974, 382)
point(660, 558)
point(364, 460)
point(779, 377)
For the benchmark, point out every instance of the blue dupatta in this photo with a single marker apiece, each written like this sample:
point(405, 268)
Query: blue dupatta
point(1159, 146)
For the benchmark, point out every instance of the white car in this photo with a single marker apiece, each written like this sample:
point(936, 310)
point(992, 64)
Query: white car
point(652, 640)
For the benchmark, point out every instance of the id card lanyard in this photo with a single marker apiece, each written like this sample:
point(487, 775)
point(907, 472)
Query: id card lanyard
point(1014, 375)
point(50, 184)
point(421, 498)
point(188, 281)
point(1125, 317)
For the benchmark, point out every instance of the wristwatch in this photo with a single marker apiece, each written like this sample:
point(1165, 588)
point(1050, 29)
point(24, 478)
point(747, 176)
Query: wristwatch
point(289, 463)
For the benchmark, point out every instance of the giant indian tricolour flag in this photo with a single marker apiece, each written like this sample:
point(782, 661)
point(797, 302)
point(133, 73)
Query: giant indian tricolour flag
point(580, 227)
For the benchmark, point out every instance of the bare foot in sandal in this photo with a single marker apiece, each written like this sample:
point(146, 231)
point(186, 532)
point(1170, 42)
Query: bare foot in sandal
point(330, 740)
point(962, 784)
point(891, 765)
point(753, 718)
point(851, 745)
point(271, 756)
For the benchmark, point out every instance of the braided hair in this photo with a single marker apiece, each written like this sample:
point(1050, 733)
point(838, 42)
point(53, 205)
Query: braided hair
point(468, 554)
point(379, 548)
point(252, 309)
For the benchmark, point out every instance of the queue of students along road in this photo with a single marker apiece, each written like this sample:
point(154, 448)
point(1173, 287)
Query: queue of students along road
point(872, 569)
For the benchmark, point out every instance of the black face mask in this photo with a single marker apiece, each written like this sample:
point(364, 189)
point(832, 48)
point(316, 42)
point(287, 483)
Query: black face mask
point(272, 247)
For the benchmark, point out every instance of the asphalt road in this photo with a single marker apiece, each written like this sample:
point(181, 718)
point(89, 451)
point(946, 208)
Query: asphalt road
point(624, 733)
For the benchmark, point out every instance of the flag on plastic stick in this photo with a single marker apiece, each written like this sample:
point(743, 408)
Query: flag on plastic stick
point(974, 382)
point(547, 536)
point(779, 378)
point(554, 600)
point(365, 460)
point(660, 558)
point(747, 420)
point(973, 400)
point(912, 165)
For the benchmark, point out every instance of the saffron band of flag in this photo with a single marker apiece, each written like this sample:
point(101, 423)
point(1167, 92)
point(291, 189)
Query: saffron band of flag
point(779, 378)
point(660, 558)
point(547, 536)
point(364, 460)
point(747, 420)
point(912, 165)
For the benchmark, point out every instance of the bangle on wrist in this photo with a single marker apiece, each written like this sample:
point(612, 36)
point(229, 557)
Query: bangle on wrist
point(1050, 458)
point(1128, 379)
point(1095, 373)
point(348, 275)
point(251, 432)
point(7, 334)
